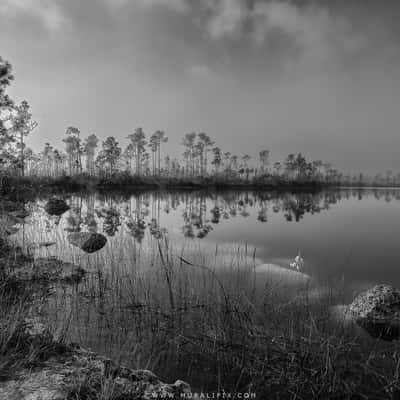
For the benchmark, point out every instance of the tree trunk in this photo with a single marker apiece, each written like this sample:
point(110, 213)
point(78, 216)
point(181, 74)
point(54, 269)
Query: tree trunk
point(137, 160)
point(22, 155)
point(205, 160)
point(159, 159)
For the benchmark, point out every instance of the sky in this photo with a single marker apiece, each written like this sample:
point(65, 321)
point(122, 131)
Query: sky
point(317, 77)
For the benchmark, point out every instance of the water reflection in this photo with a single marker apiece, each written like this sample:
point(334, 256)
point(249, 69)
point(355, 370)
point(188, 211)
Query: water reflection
point(346, 233)
point(196, 214)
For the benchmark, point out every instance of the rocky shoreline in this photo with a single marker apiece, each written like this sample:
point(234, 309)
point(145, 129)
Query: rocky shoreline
point(71, 372)
point(50, 369)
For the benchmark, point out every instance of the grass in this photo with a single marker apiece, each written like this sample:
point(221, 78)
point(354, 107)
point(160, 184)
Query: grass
point(205, 318)
point(219, 331)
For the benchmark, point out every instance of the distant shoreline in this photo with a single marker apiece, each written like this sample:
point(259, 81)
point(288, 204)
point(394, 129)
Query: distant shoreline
point(131, 183)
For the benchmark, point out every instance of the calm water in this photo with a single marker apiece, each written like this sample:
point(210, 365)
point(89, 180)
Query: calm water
point(349, 235)
point(348, 238)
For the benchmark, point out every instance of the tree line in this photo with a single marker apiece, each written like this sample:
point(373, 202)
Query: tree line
point(143, 155)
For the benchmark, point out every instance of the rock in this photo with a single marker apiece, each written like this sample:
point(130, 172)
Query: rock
point(282, 285)
point(69, 372)
point(87, 241)
point(49, 270)
point(377, 310)
point(56, 207)
point(282, 276)
point(59, 270)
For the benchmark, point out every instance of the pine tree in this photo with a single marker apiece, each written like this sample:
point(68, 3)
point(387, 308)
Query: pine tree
point(22, 126)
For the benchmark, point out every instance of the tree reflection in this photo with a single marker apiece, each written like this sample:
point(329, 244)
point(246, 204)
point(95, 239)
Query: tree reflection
point(111, 221)
point(262, 213)
point(89, 219)
point(136, 223)
point(195, 213)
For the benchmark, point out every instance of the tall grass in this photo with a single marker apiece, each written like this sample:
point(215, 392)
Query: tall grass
point(208, 318)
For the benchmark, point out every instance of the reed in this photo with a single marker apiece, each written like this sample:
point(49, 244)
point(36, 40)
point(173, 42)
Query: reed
point(204, 317)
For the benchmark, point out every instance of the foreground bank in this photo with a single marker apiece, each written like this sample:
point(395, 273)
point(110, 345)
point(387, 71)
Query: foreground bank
point(70, 372)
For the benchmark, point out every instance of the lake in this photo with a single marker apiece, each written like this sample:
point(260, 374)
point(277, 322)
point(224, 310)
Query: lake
point(144, 296)
point(347, 234)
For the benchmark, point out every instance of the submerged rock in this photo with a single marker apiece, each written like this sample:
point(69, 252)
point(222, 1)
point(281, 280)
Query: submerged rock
point(377, 310)
point(49, 270)
point(87, 241)
point(283, 285)
point(59, 270)
point(70, 372)
point(284, 276)
point(56, 207)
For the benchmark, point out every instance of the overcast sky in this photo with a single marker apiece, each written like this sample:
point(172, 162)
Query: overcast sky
point(318, 77)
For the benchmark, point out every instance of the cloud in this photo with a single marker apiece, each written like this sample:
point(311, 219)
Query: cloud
point(176, 5)
point(312, 28)
point(226, 18)
point(180, 6)
point(305, 32)
point(46, 12)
